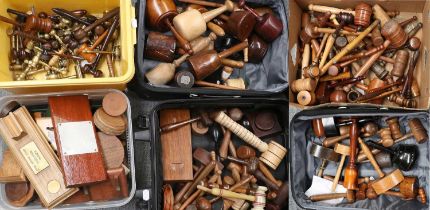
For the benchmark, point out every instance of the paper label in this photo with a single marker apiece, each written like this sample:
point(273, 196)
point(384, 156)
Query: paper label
point(34, 157)
point(77, 138)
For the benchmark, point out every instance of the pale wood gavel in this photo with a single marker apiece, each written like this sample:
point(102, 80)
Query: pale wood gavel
point(259, 199)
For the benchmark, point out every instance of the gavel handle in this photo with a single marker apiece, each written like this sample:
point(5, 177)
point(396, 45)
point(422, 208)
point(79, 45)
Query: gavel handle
point(203, 3)
point(372, 159)
point(181, 40)
point(106, 17)
point(173, 126)
point(328, 142)
point(10, 21)
point(322, 167)
point(323, 197)
point(338, 172)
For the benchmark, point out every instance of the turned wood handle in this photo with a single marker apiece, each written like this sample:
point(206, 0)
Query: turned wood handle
point(228, 6)
point(338, 172)
point(206, 171)
point(332, 10)
point(226, 193)
point(328, 142)
point(98, 41)
point(343, 75)
point(106, 17)
point(306, 55)
point(268, 174)
point(230, 51)
point(327, 49)
point(201, 44)
point(323, 197)
point(179, 124)
point(181, 40)
point(232, 63)
point(369, 156)
point(331, 31)
point(10, 21)
point(216, 29)
point(349, 47)
point(246, 135)
point(208, 84)
point(223, 150)
point(366, 66)
point(320, 50)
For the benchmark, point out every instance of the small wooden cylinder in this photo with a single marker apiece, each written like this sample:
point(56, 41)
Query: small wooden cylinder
point(394, 33)
point(159, 10)
point(363, 12)
point(306, 98)
point(377, 39)
point(160, 47)
point(318, 127)
point(386, 138)
point(409, 188)
point(400, 63)
point(418, 130)
point(393, 124)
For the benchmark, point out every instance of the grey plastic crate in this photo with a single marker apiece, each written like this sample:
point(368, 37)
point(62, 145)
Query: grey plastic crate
point(93, 95)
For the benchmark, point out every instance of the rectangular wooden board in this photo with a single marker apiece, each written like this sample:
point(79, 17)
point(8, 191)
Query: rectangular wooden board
point(78, 145)
point(176, 146)
point(10, 170)
point(32, 151)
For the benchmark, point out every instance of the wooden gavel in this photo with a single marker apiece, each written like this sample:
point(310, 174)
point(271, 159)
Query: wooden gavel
point(326, 154)
point(259, 199)
point(268, 26)
point(272, 153)
point(191, 24)
point(404, 156)
point(385, 182)
point(205, 63)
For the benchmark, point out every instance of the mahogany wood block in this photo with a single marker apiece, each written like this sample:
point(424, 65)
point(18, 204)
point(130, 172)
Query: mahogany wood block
point(114, 104)
point(31, 149)
point(19, 194)
point(178, 141)
point(10, 170)
point(78, 146)
point(115, 187)
point(264, 123)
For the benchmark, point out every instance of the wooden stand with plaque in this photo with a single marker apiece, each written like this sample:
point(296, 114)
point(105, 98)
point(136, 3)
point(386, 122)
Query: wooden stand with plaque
point(77, 143)
point(32, 151)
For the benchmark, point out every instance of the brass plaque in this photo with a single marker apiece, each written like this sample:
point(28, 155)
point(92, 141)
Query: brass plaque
point(34, 157)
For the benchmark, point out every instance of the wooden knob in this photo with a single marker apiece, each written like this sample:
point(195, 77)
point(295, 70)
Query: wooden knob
point(369, 129)
point(418, 130)
point(306, 98)
point(422, 195)
point(414, 44)
point(400, 63)
point(338, 96)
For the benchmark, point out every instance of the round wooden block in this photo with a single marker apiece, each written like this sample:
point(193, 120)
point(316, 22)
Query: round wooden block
point(199, 128)
point(19, 194)
point(388, 181)
point(113, 150)
point(341, 149)
point(114, 104)
point(273, 155)
point(265, 120)
point(108, 124)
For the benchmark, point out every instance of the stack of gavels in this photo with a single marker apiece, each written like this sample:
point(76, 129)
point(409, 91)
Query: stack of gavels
point(46, 46)
point(387, 152)
point(242, 30)
point(357, 56)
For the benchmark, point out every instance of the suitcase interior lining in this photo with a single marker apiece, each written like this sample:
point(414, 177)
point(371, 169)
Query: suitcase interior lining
point(304, 166)
point(206, 142)
point(270, 75)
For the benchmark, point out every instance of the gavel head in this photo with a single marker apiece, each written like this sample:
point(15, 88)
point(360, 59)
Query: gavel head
point(160, 47)
point(395, 33)
point(350, 180)
point(363, 12)
point(401, 61)
point(370, 192)
point(240, 24)
point(345, 18)
point(409, 187)
point(158, 11)
point(245, 152)
point(269, 28)
point(274, 155)
point(257, 49)
point(309, 33)
point(405, 156)
point(190, 24)
point(338, 96)
point(204, 63)
point(418, 130)
point(341, 149)
point(369, 129)
point(203, 204)
point(38, 24)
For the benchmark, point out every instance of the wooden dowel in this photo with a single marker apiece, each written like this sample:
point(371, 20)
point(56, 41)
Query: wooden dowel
point(208, 84)
point(331, 31)
point(329, 196)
